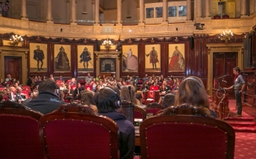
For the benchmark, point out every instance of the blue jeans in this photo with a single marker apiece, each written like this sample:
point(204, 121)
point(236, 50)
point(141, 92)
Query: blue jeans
point(238, 96)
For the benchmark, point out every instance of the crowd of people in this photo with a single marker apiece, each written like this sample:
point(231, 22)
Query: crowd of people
point(104, 95)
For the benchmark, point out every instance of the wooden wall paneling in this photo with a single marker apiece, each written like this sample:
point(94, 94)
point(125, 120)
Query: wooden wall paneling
point(164, 58)
point(73, 59)
point(142, 58)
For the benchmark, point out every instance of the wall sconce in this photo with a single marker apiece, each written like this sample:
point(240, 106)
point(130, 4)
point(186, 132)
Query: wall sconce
point(226, 35)
point(107, 43)
point(199, 26)
point(15, 40)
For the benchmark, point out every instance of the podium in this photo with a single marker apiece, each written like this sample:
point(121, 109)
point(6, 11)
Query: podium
point(220, 100)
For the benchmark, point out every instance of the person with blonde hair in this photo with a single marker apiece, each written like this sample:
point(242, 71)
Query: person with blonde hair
point(127, 93)
point(192, 92)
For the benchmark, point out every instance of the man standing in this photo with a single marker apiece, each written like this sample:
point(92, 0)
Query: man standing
point(153, 57)
point(39, 57)
point(5, 8)
point(85, 57)
point(47, 100)
point(238, 86)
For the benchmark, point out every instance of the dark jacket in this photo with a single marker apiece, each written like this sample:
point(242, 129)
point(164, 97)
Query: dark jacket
point(45, 102)
point(126, 134)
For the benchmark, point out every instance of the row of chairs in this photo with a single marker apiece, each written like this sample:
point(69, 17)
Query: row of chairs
point(75, 132)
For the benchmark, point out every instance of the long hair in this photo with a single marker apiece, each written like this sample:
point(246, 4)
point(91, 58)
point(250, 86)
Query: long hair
point(192, 91)
point(128, 95)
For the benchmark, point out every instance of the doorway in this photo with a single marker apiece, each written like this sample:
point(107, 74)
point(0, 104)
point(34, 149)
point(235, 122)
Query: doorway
point(223, 64)
point(13, 66)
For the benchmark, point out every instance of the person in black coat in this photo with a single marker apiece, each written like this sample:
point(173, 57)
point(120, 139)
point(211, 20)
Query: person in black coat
point(108, 104)
point(46, 101)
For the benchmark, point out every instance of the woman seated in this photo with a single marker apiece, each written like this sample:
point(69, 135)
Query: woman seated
point(192, 92)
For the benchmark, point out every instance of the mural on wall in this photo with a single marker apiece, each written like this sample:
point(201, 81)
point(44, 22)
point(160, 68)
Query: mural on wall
point(176, 57)
point(130, 58)
point(38, 57)
point(152, 62)
point(85, 58)
point(62, 58)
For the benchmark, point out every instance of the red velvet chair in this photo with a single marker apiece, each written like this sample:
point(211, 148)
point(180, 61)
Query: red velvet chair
point(27, 88)
point(19, 132)
point(186, 137)
point(79, 136)
point(139, 113)
point(153, 108)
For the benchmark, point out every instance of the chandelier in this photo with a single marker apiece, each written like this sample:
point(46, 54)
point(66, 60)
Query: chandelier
point(226, 35)
point(15, 40)
point(107, 43)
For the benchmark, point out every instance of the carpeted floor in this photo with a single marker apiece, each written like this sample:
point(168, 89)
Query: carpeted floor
point(245, 144)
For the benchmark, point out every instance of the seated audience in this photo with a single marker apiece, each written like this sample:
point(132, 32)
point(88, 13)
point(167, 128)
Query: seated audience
point(192, 92)
point(138, 96)
point(47, 100)
point(108, 104)
point(87, 99)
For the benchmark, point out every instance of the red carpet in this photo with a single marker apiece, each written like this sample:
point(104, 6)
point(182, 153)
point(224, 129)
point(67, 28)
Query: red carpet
point(245, 145)
point(245, 123)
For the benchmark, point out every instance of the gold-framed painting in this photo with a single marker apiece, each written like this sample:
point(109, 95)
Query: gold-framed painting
point(130, 58)
point(176, 60)
point(38, 57)
point(85, 58)
point(62, 58)
point(153, 58)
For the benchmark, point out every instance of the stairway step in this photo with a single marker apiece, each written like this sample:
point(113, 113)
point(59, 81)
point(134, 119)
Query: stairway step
point(244, 129)
point(242, 124)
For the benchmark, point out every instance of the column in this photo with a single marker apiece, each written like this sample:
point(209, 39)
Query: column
point(49, 10)
point(73, 11)
point(97, 6)
point(23, 10)
point(243, 8)
point(141, 21)
point(119, 13)
point(189, 10)
point(165, 6)
point(207, 9)
point(252, 7)
point(199, 8)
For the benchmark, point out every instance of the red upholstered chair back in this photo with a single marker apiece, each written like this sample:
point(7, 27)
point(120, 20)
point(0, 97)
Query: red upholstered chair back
point(27, 88)
point(79, 136)
point(153, 108)
point(19, 132)
point(186, 137)
point(139, 113)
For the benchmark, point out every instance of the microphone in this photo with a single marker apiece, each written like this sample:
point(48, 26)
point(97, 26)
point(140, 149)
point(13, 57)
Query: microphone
point(130, 93)
point(223, 76)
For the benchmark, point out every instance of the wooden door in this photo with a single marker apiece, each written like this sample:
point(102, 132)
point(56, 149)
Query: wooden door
point(13, 66)
point(223, 64)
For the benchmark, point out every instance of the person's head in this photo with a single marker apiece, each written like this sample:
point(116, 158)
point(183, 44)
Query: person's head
point(169, 100)
point(88, 74)
point(192, 91)
point(47, 86)
point(176, 47)
point(85, 49)
point(7, 2)
point(62, 49)
point(107, 100)
point(138, 96)
point(128, 93)
point(37, 47)
point(236, 70)
point(153, 48)
point(87, 98)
